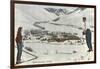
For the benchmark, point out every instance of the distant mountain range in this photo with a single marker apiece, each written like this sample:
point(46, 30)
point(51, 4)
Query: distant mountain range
point(57, 11)
point(61, 11)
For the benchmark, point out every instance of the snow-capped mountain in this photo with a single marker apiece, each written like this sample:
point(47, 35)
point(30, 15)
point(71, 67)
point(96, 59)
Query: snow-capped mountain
point(40, 17)
point(64, 11)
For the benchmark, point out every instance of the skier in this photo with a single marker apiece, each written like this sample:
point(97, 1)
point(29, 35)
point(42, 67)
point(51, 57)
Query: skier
point(87, 33)
point(19, 45)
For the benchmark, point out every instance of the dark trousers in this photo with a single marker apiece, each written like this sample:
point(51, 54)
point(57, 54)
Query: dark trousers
point(88, 39)
point(19, 53)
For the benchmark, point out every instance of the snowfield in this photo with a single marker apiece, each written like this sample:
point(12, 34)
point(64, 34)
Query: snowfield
point(35, 51)
point(55, 52)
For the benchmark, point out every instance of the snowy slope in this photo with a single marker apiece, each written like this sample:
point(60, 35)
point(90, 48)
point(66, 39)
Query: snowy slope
point(36, 13)
point(26, 16)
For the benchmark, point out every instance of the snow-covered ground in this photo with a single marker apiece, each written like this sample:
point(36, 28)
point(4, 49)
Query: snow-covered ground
point(43, 52)
point(55, 52)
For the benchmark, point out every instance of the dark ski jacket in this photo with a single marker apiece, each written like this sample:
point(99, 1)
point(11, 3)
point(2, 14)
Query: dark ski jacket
point(19, 38)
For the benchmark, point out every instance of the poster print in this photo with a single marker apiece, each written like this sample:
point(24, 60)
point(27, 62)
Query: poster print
point(48, 34)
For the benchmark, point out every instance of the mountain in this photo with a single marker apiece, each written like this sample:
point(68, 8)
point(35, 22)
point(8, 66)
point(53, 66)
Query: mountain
point(40, 17)
point(64, 11)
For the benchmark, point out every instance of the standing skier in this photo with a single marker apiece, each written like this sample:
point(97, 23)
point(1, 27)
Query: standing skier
point(88, 34)
point(19, 45)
